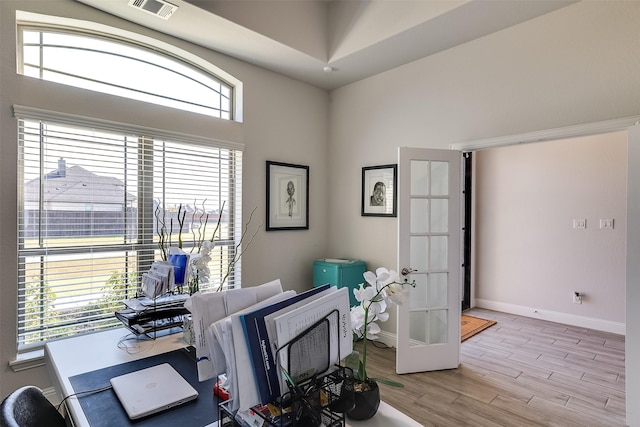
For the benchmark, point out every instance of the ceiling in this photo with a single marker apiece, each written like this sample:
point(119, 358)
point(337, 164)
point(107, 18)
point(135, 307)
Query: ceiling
point(331, 43)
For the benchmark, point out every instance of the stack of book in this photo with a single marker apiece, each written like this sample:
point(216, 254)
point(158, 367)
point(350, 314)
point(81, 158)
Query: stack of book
point(269, 332)
point(258, 347)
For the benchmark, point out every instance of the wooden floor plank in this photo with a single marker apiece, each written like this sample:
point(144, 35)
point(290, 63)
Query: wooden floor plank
point(537, 418)
point(519, 372)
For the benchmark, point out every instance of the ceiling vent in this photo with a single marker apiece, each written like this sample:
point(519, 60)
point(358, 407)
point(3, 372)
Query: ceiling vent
point(159, 8)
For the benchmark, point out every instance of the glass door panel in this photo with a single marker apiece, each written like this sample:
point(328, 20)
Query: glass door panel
point(429, 200)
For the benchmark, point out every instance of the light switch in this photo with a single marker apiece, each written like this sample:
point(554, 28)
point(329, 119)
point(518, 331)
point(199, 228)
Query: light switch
point(606, 224)
point(579, 223)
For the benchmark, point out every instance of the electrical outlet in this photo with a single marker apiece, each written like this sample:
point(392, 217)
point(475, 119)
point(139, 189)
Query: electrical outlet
point(577, 298)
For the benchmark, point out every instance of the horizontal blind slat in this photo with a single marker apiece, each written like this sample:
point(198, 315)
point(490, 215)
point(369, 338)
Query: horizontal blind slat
point(87, 220)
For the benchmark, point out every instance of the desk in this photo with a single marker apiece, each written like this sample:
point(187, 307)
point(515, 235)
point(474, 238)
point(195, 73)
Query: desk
point(85, 353)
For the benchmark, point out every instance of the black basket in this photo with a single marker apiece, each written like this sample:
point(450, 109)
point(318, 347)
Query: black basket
point(321, 401)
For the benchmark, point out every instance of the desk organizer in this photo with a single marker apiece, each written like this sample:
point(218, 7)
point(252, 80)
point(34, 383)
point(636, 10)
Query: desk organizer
point(322, 401)
point(319, 393)
point(162, 313)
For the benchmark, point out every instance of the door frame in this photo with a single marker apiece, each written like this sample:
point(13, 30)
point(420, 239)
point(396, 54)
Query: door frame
point(467, 232)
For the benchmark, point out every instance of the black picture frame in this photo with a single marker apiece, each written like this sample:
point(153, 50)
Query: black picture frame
point(287, 211)
point(374, 202)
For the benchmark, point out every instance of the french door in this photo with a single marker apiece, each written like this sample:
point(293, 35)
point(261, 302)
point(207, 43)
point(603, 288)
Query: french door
point(429, 252)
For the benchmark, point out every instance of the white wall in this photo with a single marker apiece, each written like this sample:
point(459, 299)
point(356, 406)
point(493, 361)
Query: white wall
point(284, 120)
point(577, 65)
point(529, 258)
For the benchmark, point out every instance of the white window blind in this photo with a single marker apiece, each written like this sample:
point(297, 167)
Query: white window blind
point(92, 196)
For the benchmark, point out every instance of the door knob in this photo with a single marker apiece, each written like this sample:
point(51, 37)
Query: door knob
point(406, 271)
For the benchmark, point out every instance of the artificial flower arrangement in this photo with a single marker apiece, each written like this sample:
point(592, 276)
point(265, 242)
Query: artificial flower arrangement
point(200, 256)
point(382, 287)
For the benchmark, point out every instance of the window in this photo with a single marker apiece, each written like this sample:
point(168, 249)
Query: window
point(122, 68)
point(90, 198)
point(94, 195)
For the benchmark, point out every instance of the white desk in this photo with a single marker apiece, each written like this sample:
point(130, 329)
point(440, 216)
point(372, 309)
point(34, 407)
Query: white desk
point(86, 353)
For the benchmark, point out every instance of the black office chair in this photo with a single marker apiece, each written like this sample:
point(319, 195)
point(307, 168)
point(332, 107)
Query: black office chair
point(28, 407)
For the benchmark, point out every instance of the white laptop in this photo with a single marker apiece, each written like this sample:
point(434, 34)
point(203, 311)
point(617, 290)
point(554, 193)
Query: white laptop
point(152, 390)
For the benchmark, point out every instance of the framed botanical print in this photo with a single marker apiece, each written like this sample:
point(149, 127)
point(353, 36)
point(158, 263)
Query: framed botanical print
point(287, 196)
point(379, 190)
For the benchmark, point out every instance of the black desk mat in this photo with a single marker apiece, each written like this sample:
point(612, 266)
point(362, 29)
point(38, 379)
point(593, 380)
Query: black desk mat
point(104, 409)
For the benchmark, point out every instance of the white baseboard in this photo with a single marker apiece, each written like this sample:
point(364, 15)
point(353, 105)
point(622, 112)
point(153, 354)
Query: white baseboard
point(553, 316)
point(387, 338)
point(51, 395)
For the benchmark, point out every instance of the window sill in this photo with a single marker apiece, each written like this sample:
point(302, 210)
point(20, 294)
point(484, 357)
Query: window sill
point(29, 360)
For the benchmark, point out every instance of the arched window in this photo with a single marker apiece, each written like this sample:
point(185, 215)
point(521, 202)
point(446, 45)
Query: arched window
point(101, 201)
point(123, 68)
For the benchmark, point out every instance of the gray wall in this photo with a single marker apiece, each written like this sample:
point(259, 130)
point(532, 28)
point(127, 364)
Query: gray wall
point(632, 339)
point(284, 120)
point(529, 259)
point(573, 66)
point(577, 65)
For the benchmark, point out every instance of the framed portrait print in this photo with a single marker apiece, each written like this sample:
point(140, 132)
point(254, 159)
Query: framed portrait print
point(379, 190)
point(287, 196)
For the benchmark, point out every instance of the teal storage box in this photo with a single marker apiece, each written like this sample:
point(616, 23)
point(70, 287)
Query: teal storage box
point(343, 273)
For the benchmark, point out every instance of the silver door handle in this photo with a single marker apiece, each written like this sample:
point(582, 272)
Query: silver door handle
point(405, 271)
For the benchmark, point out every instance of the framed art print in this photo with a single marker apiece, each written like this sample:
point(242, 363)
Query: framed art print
point(379, 190)
point(287, 196)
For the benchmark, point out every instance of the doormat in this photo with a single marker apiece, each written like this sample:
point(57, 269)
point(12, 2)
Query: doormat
point(469, 326)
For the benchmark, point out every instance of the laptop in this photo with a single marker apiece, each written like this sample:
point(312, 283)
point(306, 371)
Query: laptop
point(152, 390)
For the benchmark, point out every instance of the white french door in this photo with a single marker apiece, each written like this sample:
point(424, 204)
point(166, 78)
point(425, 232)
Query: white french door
point(429, 241)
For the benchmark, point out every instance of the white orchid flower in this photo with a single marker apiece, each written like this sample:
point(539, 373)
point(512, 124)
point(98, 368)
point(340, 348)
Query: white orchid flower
point(381, 286)
point(376, 309)
point(383, 317)
point(359, 293)
point(358, 324)
point(373, 330)
point(357, 320)
point(397, 293)
point(200, 262)
point(377, 280)
point(368, 294)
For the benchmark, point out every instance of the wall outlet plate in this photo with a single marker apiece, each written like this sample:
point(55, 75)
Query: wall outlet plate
point(606, 223)
point(579, 223)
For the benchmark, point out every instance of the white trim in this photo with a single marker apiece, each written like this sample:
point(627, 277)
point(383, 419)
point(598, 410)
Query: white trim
point(51, 395)
point(550, 134)
point(25, 18)
point(387, 338)
point(28, 360)
point(73, 119)
point(553, 316)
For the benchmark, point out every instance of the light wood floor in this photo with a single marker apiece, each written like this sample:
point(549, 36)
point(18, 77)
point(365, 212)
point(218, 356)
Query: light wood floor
point(519, 372)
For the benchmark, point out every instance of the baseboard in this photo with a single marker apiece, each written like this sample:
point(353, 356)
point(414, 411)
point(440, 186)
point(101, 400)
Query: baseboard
point(51, 395)
point(387, 338)
point(553, 316)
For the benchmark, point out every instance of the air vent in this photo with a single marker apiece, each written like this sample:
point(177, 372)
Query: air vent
point(159, 8)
